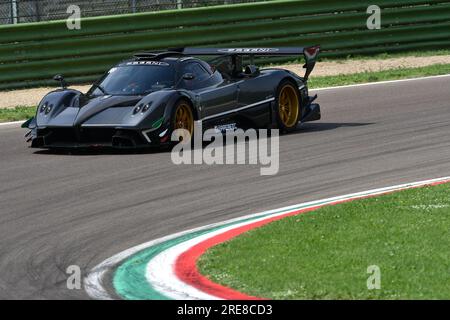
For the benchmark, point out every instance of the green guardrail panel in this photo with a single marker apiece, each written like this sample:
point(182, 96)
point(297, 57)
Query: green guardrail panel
point(30, 54)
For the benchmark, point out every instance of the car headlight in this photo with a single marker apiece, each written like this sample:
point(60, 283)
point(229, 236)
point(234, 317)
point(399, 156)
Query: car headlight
point(146, 107)
point(43, 107)
point(137, 109)
point(48, 109)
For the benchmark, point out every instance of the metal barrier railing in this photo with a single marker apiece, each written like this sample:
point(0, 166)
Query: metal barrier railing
point(32, 53)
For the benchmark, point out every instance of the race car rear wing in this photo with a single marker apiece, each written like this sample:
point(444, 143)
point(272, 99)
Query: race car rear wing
point(310, 53)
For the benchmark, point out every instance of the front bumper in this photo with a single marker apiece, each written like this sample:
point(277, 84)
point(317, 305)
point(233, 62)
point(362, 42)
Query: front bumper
point(95, 137)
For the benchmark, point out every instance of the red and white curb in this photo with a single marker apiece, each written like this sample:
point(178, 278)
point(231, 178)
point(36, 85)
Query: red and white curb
point(173, 272)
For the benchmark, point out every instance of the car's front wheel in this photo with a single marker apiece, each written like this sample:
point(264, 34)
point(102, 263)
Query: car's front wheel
point(287, 106)
point(183, 118)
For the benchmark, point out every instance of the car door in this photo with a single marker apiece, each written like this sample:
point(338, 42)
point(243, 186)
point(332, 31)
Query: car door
point(255, 95)
point(214, 95)
point(254, 90)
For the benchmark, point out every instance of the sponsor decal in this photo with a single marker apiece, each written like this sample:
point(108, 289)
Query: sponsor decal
point(147, 63)
point(224, 128)
point(248, 50)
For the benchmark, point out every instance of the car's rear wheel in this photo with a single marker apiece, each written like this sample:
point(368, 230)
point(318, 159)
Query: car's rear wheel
point(183, 118)
point(287, 106)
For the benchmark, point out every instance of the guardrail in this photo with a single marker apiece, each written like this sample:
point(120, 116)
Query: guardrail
point(30, 54)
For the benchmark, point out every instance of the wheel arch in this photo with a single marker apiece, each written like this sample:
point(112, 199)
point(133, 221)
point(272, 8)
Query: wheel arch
point(287, 78)
point(186, 97)
point(191, 104)
point(173, 101)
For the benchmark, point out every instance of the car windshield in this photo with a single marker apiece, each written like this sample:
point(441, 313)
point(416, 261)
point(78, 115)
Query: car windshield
point(136, 78)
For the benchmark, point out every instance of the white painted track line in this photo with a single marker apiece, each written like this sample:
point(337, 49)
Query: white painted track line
point(14, 123)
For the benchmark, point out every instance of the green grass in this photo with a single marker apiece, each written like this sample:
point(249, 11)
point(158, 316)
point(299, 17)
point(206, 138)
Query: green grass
point(325, 254)
point(16, 114)
point(365, 77)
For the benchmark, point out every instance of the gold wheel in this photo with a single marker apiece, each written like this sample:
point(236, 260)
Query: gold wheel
point(288, 106)
point(184, 118)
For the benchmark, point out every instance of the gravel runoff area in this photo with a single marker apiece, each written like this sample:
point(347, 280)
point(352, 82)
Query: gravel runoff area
point(31, 97)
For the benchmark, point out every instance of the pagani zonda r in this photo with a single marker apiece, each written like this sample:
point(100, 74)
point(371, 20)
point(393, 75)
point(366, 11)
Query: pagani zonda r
point(139, 102)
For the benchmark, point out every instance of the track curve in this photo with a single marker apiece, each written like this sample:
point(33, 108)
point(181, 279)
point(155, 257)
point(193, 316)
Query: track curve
point(58, 210)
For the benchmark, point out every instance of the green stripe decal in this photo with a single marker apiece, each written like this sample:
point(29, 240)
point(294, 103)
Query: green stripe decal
point(158, 123)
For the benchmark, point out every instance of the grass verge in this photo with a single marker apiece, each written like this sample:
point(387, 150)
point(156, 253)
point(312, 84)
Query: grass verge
point(325, 254)
point(366, 77)
point(16, 114)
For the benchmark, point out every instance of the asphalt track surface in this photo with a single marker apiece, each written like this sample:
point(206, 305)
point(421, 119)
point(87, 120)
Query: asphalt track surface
point(58, 210)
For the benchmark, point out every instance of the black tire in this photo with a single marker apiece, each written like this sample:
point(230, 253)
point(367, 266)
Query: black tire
point(287, 108)
point(175, 121)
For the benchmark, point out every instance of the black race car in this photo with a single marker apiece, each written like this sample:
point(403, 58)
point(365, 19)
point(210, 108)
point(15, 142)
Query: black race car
point(139, 102)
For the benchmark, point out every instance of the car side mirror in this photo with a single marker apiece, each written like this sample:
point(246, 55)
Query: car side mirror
point(60, 79)
point(188, 76)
